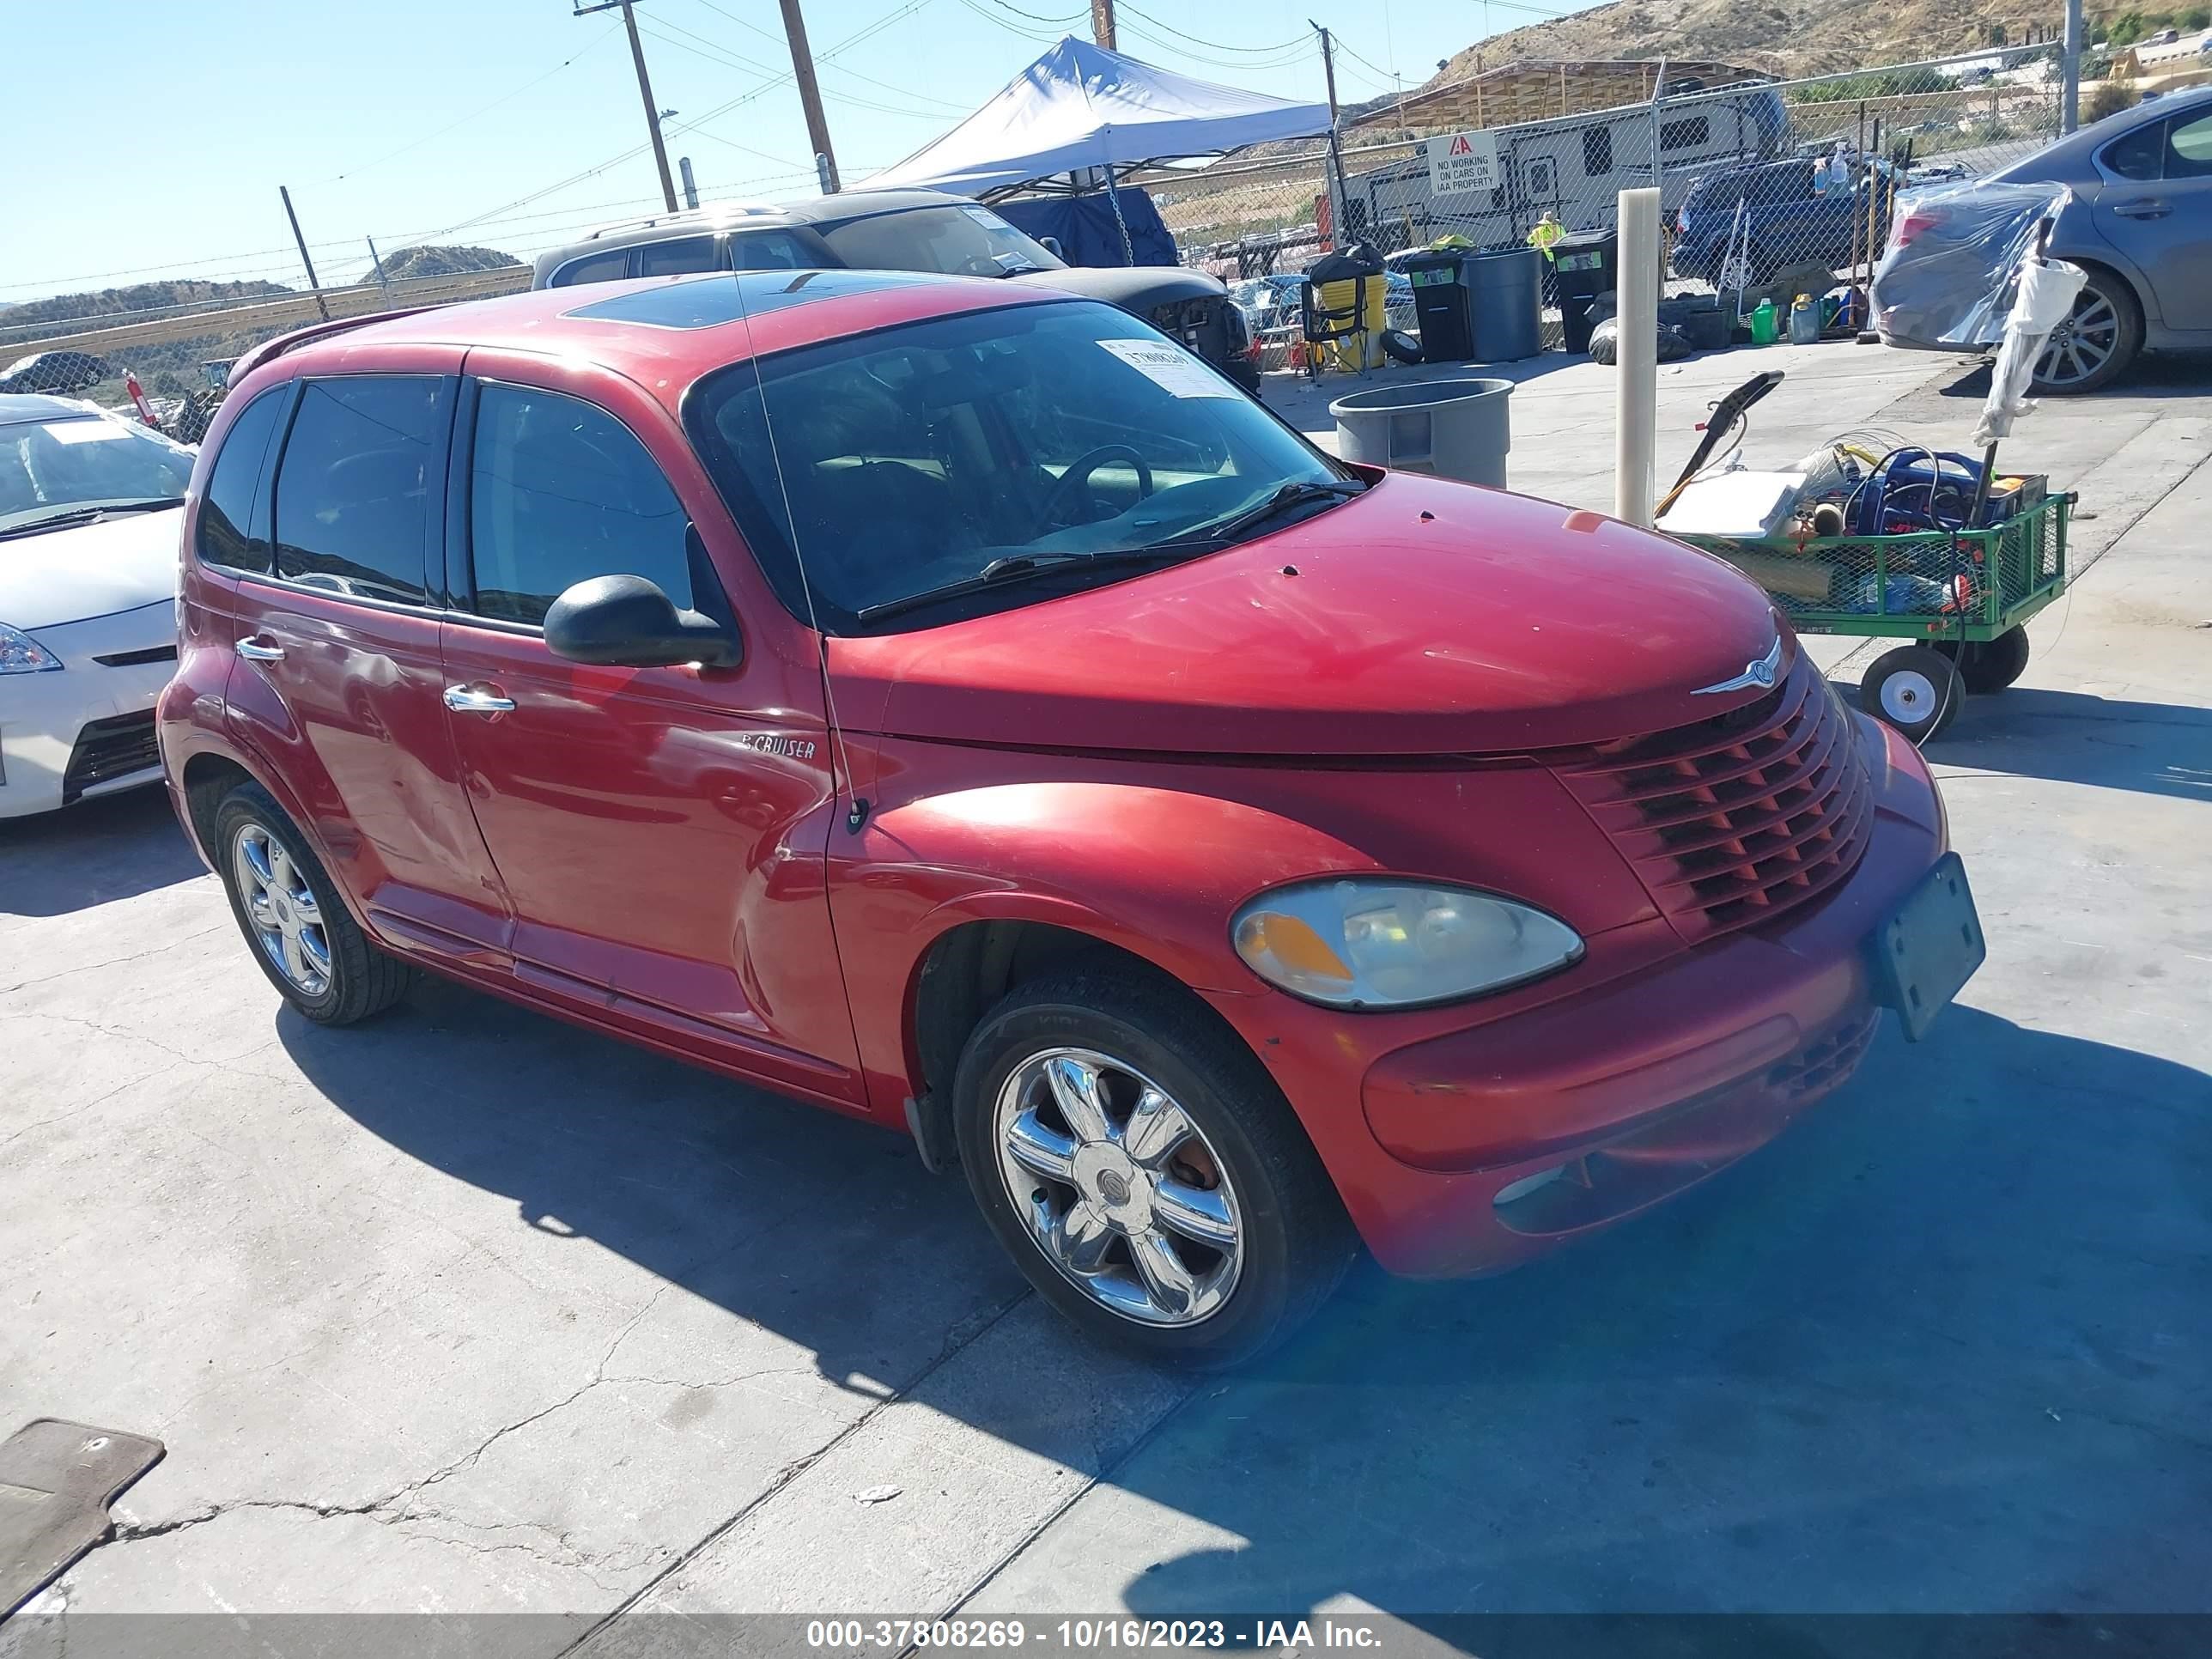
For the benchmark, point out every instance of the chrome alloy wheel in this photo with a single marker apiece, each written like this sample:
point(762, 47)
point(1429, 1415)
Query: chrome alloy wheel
point(1118, 1187)
point(282, 908)
point(2081, 345)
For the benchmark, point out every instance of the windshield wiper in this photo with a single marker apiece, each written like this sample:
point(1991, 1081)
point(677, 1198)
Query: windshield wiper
point(72, 517)
point(1300, 493)
point(1016, 567)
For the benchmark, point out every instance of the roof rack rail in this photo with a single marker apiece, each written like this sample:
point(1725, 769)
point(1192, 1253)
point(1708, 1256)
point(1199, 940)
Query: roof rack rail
point(269, 350)
point(714, 213)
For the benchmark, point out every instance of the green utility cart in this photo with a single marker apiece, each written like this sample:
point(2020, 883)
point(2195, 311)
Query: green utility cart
point(1959, 597)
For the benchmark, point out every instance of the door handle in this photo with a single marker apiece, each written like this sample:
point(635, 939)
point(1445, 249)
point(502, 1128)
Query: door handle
point(477, 700)
point(2150, 209)
point(254, 650)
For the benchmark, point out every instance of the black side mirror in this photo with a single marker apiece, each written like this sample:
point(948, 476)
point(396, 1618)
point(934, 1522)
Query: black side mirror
point(1051, 245)
point(627, 622)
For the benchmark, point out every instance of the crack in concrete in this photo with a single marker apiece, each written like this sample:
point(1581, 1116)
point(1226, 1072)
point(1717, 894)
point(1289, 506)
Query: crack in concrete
point(112, 962)
point(11, 1139)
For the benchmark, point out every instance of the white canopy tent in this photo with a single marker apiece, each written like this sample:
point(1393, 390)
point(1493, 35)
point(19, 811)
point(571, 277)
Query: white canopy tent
point(1080, 107)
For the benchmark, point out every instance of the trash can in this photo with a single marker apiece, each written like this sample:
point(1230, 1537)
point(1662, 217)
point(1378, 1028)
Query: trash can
point(1440, 305)
point(1582, 267)
point(1453, 429)
point(1505, 301)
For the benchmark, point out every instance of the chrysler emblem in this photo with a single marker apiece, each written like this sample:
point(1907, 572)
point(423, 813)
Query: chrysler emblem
point(1762, 673)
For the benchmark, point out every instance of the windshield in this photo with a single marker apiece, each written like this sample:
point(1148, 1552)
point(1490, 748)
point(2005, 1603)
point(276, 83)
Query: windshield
point(49, 468)
point(917, 457)
point(960, 240)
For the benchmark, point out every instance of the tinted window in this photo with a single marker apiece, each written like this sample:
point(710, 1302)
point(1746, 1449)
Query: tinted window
point(2138, 154)
point(229, 535)
point(560, 491)
point(771, 250)
point(1597, 151)
point(353, 492)
point(1687, 134)
point(677, 259)
point(599, 268)
point(2189, 151)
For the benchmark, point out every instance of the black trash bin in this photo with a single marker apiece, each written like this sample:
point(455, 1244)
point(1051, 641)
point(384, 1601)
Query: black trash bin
point(1441, 305)
point(1582, 267)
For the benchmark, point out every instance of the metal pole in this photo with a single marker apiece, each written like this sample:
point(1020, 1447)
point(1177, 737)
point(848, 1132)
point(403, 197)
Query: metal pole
point(1637, 388)
point(304, 260)
point(809, 96)
point(1336, 224)
point(652, 109)
point(690, 185)
point(2069, 70)
point(376, 260)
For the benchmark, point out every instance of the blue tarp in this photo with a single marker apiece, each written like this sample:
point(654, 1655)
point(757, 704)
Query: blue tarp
point(1086, 232)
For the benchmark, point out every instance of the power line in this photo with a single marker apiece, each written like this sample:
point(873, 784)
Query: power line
point(735, 60)
point(1247, 65)
point(1302, 44)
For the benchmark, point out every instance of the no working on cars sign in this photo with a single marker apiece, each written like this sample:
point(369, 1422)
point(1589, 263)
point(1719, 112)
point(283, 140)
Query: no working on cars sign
point(1463, 161)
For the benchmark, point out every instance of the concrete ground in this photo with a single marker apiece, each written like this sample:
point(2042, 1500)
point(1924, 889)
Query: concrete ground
point(468, 1311)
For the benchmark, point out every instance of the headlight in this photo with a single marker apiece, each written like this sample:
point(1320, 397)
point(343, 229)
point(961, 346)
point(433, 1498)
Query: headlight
point(22, 654)
point(1364, 942)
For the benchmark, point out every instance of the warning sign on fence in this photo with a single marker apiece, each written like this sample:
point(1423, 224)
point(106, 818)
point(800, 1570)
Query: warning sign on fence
point(1463, 161)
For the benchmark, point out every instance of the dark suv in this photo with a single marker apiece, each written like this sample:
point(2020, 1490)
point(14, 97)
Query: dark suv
point(905, 230)
point(1787, 222)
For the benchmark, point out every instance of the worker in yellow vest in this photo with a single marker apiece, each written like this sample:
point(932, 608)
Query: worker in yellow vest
point(1549, 230)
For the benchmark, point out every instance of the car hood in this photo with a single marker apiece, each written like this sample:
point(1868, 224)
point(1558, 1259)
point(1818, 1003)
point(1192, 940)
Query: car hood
point(68, 575)
point(1132, 288)
point(1422, 617)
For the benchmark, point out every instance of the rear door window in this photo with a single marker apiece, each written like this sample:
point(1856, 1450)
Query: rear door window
point(678, 259)
point(771, 250)
point(2139, 154)
point(354, 488)
point(599, 268)
point(560, 491)
point(234, 529)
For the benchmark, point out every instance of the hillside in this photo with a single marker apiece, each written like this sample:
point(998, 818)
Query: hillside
point(424, 260)
point(138, 296)
point(1781, 37)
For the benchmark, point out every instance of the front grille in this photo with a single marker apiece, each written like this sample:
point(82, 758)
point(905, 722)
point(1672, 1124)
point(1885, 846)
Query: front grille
point(1733, 820)
point(1824, 1062)
point(110, 748)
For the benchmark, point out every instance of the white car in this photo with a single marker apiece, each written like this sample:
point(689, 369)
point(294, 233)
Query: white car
point(91, 507)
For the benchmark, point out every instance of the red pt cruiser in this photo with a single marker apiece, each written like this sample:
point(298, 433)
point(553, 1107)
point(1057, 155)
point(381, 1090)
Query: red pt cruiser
point(960, 707)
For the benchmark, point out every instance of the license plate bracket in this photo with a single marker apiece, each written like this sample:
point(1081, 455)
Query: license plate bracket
point(1929, 948)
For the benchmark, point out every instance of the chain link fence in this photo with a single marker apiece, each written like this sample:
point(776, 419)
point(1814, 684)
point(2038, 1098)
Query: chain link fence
point(1767, 188)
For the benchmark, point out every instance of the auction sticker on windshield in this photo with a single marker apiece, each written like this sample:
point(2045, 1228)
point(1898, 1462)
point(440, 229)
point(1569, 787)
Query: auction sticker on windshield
point(84, 432)
point(1171, 367)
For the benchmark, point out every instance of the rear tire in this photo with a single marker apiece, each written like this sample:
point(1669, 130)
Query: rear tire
point(1992, 667)
point(1199, 1240)
point(1914, 688)
point(293, 918)
point(2095, 346)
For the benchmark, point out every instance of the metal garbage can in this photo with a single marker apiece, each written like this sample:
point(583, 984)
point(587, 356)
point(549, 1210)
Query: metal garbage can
point(1453, 429)
point(1440, 305)
point(1505, 302)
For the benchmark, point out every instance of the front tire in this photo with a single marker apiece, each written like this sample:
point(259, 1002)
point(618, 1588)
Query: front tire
point(295, 921)
point(1145, 1172)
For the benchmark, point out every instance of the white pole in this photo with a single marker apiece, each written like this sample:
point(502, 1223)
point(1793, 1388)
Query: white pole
point(1638, 408)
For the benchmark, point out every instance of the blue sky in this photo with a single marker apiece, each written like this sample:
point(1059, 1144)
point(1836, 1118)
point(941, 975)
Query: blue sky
point(154, 143)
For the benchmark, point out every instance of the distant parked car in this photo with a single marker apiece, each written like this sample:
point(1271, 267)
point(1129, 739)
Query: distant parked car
point(61, 374)
point(905, 230)
point(1786, 223)
point(2140, 222)
point(90, 512)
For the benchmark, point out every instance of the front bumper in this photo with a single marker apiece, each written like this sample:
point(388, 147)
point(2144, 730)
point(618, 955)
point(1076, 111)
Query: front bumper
point(87, 728)
point(1478, 1147)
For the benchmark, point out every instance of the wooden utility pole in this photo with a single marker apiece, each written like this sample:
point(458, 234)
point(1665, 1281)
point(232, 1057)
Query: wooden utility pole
point(1102, 23)
point(286, 193)
point(644, 91)
point(1336, 225)
point(809, 96)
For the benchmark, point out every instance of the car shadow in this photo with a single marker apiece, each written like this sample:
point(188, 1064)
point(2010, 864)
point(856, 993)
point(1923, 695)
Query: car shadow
point(1841, 1352)
point(2075, 737)
point(2162, 375)
point(114, 847)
